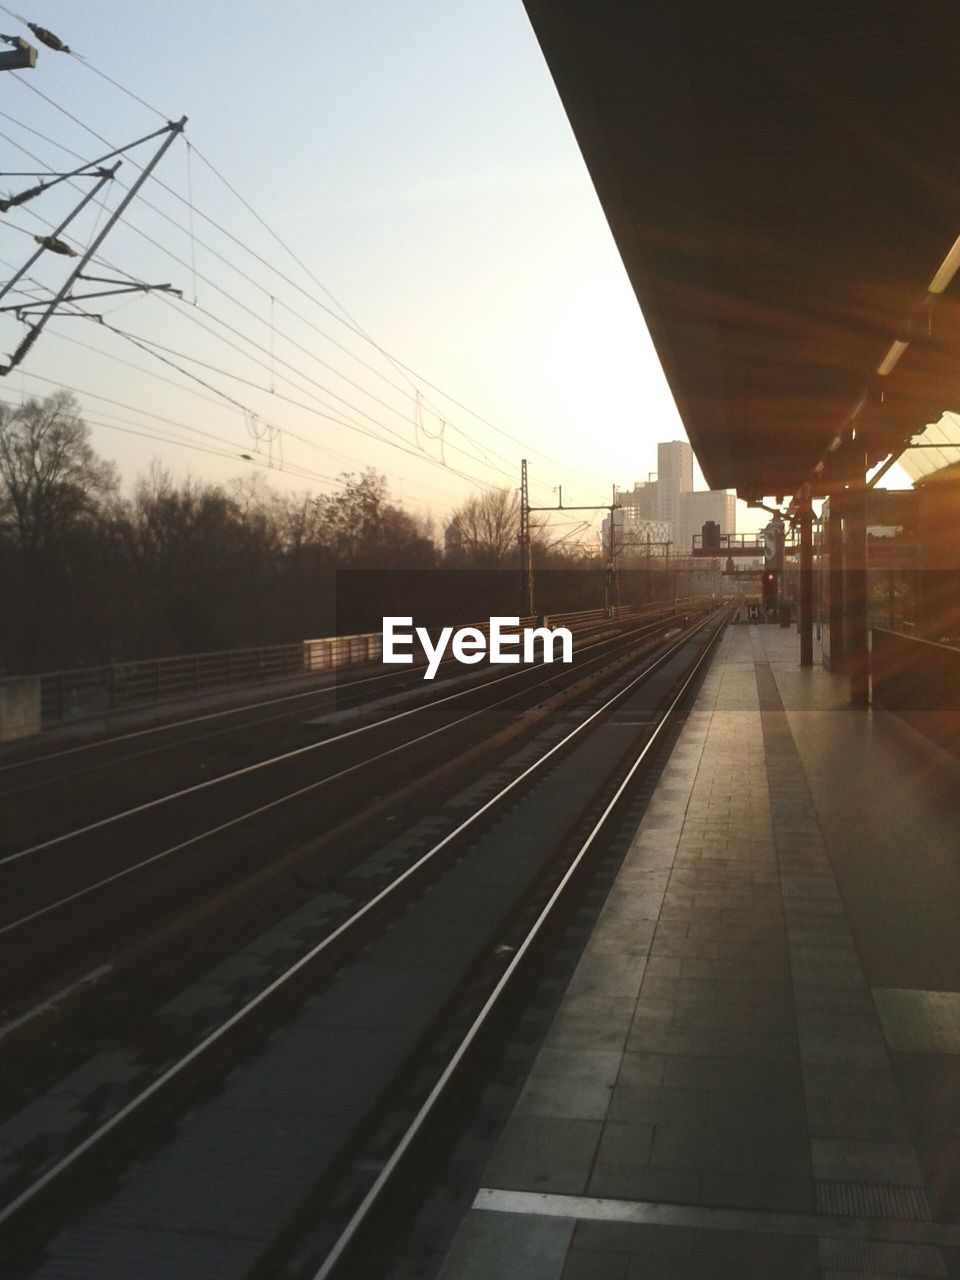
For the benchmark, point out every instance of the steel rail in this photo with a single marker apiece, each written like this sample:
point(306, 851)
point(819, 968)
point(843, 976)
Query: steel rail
point(13, 925)
point(334, 686)
point(322, 694)
point(172, 725)
point(215, 1038)
point(282, 758)
point(363, 1210)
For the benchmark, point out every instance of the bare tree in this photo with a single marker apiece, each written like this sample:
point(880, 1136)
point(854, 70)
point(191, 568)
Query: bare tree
point(483, 532)
point(50, 477)
point(361, 528)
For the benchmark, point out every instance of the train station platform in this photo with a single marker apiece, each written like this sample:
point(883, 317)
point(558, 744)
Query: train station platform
point(755, 1070)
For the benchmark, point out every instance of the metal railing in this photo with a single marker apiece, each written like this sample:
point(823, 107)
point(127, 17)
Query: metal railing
point(86, 692)
point(82, 692)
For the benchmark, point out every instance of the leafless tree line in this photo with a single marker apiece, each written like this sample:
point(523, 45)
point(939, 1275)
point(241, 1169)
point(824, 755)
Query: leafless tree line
point(88, 574)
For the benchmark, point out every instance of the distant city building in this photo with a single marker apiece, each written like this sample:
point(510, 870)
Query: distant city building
point(641, 499)
point(636, 535)
point(674, 480)
point(695, 509)
point(669, 508)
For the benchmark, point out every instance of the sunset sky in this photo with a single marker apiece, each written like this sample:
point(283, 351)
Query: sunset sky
point(415, 158)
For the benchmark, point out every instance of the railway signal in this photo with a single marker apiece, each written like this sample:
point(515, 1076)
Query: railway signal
point(769, 581)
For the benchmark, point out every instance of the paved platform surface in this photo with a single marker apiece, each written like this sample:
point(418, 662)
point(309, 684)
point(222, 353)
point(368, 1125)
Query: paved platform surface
point(755, 1070)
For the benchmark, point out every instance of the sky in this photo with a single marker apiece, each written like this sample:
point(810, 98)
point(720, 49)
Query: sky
point(435, 291)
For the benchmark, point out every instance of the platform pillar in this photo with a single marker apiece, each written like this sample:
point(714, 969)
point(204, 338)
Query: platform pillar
point(806, 579)
point(855, 567)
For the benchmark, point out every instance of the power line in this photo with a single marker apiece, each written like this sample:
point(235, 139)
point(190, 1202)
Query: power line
point(353, 324)
point(218, 399)
point(83, 391)
point(286, 337)
point(116, 84)
point(157, 349)
point(350, 322)
point(396, 443)
point(236, 404)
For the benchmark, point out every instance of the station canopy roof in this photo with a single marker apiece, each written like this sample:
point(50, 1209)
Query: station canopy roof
point(783, 184)
point(935, 450)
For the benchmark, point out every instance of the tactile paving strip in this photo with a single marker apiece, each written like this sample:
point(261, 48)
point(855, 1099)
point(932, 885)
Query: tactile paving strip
point(853, 1178)
point(872, 1200)
point(882, 1258)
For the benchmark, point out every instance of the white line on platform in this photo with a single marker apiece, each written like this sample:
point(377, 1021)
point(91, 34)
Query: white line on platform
point(649, 1214)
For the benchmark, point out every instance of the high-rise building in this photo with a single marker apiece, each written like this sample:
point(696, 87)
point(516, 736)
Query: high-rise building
point(675, 465)
point(674, 477)
point(636, 535)
point(671, 501)
point(640, 501)
point(696, 508)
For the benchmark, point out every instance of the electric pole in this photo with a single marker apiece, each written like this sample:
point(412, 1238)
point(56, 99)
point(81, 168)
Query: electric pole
point(526, 562)
point(614, 571)
point(526, 550)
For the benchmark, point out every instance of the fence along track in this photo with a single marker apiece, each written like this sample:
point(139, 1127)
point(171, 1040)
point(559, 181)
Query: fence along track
point(81, 693)
point(585, 619)
point(209, 783)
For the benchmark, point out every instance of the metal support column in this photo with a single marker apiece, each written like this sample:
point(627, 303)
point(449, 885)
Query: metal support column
point(526, 549)
point(834, 651)
point(806, 579)
point(614, 567)
point(855, 566)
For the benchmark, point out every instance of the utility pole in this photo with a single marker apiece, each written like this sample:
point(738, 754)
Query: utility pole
point(525, 510)
point(526, 550)
point(173, 131)
point(614, 570)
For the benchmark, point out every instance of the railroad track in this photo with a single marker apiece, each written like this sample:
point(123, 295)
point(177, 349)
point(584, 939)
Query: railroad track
point(38, 791)
point(393, 967)
point(119, 876)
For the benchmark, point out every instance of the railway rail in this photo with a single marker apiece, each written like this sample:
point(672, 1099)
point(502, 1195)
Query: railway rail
point(83, 776)
point(119, 873)
point(554, 781)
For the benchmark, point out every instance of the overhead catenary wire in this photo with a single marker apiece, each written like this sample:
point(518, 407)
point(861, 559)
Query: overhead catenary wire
point(473, 480)
point(161, 352)
point(228, 452)
point(295, 468)
point(397, 442)
point(338, 373)
point(83, 391)
point(111, 266)
point(349, 322)
point(238, 303)
point(282, 303)
point(218, 398)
